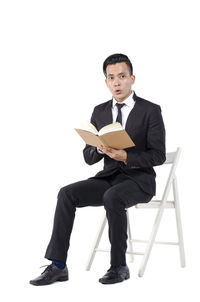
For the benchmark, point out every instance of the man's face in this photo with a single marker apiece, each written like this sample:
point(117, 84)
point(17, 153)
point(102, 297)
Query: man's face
point(119, 80)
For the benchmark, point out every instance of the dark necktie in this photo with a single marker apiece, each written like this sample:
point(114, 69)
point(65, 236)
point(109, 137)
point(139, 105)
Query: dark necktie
point(119, 116)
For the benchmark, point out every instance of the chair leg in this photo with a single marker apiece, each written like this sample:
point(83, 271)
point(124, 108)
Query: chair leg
point(96, 244)
point(129, 236)
point(178, 223)
point(152, 237)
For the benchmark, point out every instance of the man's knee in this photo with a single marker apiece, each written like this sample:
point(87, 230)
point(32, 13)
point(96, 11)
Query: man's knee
point(112, 199)
point(62, 192)
point(65, 194)
point(70, 189)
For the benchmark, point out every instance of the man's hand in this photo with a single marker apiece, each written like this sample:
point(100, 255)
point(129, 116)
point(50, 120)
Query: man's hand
point(116, 154)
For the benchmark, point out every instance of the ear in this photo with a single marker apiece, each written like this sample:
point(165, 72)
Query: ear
point(106, 81)
point(133, 79)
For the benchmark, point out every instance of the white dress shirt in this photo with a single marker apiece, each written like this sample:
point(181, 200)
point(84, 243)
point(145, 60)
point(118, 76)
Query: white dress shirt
point(125, 110)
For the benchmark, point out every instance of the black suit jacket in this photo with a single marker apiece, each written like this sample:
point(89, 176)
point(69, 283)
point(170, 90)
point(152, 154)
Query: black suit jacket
point(146, 128)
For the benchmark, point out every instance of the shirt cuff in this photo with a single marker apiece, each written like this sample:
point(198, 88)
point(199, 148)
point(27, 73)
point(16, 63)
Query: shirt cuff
point(99, 151)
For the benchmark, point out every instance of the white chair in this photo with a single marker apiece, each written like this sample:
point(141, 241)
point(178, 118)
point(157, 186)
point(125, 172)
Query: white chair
point(171, 158)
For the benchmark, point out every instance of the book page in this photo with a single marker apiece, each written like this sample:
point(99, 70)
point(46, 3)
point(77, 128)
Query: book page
point(87, 126)
point(110, 128)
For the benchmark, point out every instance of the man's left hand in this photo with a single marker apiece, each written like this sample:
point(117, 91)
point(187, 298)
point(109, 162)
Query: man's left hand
point(116, 154)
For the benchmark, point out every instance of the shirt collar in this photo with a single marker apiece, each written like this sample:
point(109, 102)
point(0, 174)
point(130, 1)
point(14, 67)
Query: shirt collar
point(129, 101)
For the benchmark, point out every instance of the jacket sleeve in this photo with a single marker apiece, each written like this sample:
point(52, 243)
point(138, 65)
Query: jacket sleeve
point(90, 153)
point(155, 153)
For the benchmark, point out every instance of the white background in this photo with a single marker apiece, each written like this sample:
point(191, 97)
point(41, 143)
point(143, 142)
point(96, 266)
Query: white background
point(51, 77)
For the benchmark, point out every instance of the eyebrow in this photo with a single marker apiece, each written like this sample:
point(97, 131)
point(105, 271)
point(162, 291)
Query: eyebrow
point(111, 74)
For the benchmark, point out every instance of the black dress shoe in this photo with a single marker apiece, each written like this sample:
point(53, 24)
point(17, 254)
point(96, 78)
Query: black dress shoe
point(51, 274)
point(115, 274)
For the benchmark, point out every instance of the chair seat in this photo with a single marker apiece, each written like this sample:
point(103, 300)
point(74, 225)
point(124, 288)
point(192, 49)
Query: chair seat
point(155, 204)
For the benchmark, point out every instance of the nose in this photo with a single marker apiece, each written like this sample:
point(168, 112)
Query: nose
point(116, 82)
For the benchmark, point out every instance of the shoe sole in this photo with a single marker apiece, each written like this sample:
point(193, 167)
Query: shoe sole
point(63, 279)
point(48, 283)
point(116, 281)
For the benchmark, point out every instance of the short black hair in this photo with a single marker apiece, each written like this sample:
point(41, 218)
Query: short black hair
point(117, 58)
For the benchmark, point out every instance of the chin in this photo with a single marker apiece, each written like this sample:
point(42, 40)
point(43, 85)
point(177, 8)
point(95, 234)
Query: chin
point(120, 97)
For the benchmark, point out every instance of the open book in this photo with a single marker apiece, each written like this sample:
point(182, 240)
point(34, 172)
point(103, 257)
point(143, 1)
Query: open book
point(112, 135)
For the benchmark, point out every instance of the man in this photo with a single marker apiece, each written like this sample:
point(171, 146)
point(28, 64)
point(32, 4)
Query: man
point(127, 178)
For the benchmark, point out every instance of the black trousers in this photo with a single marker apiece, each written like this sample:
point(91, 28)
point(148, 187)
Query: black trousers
point(116, 193)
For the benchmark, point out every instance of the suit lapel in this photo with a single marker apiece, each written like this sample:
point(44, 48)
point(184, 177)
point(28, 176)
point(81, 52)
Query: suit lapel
point(132, 117)
point(108, 113)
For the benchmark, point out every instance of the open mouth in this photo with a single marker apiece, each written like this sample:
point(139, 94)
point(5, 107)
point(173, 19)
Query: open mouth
point(117, 91)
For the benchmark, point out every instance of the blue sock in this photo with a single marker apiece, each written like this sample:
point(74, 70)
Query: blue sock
point(59, 264)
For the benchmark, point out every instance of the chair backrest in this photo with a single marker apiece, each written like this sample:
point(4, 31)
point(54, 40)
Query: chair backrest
point(171, 158)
